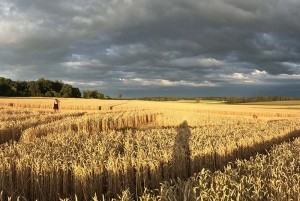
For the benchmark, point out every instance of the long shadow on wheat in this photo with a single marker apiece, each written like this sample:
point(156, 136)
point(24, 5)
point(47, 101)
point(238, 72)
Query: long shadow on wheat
point(180, 163)
point(136, 179)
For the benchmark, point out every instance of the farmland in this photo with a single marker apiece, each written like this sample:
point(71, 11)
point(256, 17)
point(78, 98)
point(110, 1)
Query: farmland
point(130, 150)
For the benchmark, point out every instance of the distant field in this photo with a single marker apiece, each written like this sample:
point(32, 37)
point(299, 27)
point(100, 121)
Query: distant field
point(276, 103)
point(279, 105)
point(264, 109)
point(65, 103)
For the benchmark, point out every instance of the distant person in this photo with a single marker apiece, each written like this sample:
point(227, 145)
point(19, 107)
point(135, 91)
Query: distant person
point(56, 105)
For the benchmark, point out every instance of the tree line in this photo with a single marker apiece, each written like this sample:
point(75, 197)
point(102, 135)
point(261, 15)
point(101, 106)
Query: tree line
point(235, 100)
point(228, 100)
point(171, 98)
point(44, 88)
point(48, 88)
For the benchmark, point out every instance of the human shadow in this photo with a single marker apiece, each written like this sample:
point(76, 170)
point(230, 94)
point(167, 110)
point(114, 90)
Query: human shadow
point(111, 182)
point(137, 179)
point(181, 160)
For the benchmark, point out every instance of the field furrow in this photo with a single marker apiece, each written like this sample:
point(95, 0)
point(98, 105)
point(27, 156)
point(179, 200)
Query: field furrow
point(135, 152)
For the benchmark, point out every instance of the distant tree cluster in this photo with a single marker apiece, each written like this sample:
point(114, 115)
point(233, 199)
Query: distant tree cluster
point(44, 88)
point(168, 98)
point(92, 94)
point(39, 88)
point(235, 100)
point(163, 98)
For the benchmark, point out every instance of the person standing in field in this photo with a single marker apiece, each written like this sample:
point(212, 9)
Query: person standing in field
point(56, 105)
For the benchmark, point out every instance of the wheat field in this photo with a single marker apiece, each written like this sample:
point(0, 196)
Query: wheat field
point(142, 150)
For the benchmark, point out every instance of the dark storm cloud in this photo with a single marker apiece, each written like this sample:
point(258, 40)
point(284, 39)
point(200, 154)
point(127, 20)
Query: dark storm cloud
point(159, 46)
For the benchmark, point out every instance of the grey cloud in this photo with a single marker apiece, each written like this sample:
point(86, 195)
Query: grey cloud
point(102, 42)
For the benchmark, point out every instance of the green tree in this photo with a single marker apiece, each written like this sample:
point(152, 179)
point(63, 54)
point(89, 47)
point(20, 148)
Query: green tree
point(92, 94)
point(6, 87)
point(22, 88)
point(44, 85)
point(49, 94)
point(66, 91)
point(34, 89)
point(76, 93)
point(56, 86)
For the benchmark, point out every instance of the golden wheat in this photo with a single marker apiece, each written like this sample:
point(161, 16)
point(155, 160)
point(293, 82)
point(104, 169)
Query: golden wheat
point(140, 153)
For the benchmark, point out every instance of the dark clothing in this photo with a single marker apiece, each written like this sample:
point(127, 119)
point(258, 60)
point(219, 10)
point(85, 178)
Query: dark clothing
point(55, 106)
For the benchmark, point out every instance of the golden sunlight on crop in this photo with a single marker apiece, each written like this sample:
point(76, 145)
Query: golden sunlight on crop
point(143, 150)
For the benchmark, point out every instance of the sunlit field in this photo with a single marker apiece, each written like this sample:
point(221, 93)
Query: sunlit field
point(290, 105)
point(145, 150)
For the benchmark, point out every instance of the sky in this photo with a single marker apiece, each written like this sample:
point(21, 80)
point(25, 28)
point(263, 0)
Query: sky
point(143, 48)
